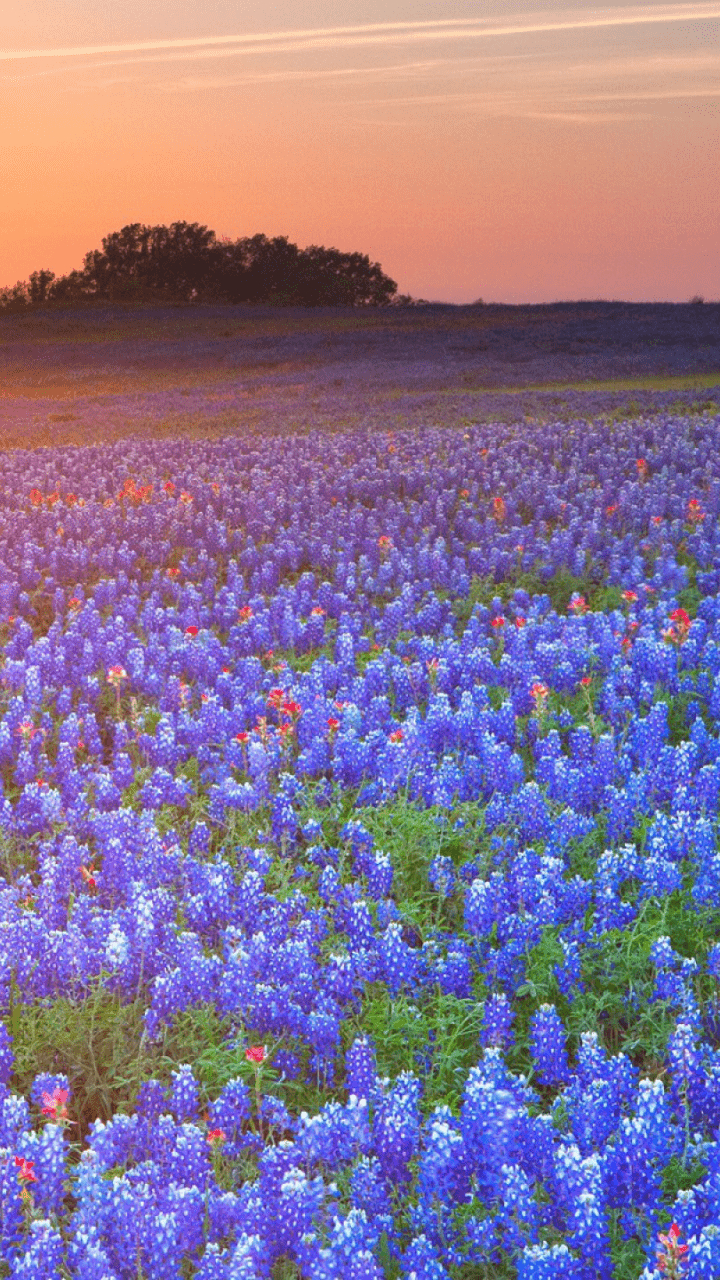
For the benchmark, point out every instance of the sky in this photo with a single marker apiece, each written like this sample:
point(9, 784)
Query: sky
point(501, 150)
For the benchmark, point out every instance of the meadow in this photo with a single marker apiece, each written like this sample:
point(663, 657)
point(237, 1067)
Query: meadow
point(359, 779)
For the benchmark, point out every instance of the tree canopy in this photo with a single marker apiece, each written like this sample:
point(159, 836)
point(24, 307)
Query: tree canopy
point(186, 262)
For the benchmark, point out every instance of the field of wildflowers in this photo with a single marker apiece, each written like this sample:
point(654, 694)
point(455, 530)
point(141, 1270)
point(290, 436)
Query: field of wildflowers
point(359, 865)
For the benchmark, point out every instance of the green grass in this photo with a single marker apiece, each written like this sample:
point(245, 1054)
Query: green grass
point(643, 382)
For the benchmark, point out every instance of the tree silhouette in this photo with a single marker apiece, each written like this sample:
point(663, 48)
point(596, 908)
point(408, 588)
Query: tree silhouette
point(39, 285)
point(185, 262)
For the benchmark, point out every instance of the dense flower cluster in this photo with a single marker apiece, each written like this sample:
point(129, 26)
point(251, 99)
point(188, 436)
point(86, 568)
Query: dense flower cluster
point(202, 636)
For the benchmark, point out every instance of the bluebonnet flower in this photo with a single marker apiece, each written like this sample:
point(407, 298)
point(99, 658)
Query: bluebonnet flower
point(498, 1017)
point(399, 961)
point(184, 1094)
point(43, 1255)
point(546, 1262)
point(396, 1129)
point(548, 1046)
point(361, 1068)
point(420, 1262)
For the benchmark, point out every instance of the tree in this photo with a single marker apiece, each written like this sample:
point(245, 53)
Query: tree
point(186, 262)
point(331, 278)
point(15, 297)
point(40, 282)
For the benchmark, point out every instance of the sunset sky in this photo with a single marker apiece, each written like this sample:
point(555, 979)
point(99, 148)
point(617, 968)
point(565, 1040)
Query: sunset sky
point(503, 150)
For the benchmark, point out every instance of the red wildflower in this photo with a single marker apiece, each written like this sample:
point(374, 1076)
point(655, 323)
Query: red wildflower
point(191, 632)
point(497, 622)
point(396, 735)
point(214, 1136)
point(540, 693)
point(245, 614)
point(25, 1169)
point(88, 875)
point(694, 511)
point(256, 1054)
point(499, 509)
point(670, 1253)
point(682, 624)
point(54, 1104)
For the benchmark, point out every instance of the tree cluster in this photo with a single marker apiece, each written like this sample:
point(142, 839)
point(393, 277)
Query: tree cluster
point(186, 262)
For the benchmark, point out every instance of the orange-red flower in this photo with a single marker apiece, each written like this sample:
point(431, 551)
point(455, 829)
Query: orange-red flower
point(25, 1169)
point(54, 1104)
point(256, 1054)
point(88, 875)
point(695, 512)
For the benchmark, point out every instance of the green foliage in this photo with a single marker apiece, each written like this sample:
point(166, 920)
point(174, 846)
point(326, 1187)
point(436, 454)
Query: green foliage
point(629, 1255)
point(560, 586)
point(18, 854)
point(435, 1036)
point(618, 979)
point(199, 1035)
point(679, 1175)
point(95, 1040)
point(412, 837)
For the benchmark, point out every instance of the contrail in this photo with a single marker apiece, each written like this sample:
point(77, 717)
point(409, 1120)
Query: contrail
point(377, 32)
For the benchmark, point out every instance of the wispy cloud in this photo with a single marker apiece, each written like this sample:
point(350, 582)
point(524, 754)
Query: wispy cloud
point(383, 33)
point(580, 117)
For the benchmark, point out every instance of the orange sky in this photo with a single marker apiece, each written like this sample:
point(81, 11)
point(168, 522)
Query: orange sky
point(524, 155)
